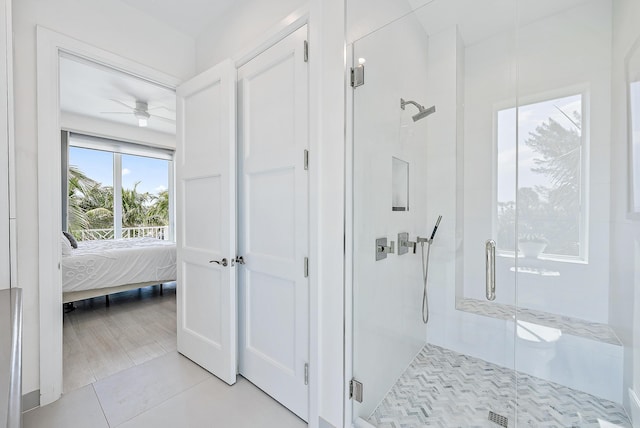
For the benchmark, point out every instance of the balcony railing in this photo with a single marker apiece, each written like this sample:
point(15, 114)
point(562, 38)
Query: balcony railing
point(158, 232)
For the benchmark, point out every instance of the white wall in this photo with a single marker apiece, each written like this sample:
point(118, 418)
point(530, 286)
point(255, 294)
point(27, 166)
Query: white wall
point(327, 140)
point(240, 28)
point(624, 300)
point(112, 26)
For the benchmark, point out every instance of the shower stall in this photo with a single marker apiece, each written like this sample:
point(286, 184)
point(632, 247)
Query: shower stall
point(529, 291)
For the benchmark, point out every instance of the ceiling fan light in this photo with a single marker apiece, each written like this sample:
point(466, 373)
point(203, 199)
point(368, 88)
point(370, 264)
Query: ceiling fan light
point(142, 122)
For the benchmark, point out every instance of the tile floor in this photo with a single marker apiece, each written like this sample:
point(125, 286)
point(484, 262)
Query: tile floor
point(100, 341)
point(166, 392)
point(121, 369)
point(442, 388)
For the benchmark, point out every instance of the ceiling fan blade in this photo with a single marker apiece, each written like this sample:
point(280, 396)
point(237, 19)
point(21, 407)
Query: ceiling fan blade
point(117, 112)
point(123, 104)
point(161, 107)
point(166, 119)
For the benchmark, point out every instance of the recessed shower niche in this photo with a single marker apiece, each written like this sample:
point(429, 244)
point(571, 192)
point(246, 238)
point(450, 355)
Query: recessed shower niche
point(399, 184)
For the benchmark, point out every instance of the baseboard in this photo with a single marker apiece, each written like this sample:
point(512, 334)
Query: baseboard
point(361, 423)
point(634, 403)
point(31, 400)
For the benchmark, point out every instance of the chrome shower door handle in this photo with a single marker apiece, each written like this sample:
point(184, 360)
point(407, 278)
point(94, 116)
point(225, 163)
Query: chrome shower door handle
point(490, 268)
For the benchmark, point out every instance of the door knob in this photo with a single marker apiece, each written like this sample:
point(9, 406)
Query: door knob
point(240, 260)
point(222, 262)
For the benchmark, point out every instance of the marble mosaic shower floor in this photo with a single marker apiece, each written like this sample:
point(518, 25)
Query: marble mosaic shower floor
point(442, 388)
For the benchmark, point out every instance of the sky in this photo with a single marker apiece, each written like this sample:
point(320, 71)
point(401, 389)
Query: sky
point(153, 174)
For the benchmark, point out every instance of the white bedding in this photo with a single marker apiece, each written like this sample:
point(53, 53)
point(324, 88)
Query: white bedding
point(113, 262)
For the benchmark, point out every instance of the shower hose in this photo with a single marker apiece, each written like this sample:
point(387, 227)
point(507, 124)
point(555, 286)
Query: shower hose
point(425, 273)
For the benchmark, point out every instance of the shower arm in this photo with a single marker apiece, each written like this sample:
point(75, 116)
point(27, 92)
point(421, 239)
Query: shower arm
point(403, 103)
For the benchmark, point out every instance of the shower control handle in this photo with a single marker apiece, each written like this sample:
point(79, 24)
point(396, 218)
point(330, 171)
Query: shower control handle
point(387, 249)
point(404, 244)
point(490, 268)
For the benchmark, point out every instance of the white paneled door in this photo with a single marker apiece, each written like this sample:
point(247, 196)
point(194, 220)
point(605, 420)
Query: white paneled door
point(206, 220)
point(273, 222)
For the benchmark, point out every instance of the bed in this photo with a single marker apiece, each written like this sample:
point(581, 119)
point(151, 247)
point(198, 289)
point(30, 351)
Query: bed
point(103, 267)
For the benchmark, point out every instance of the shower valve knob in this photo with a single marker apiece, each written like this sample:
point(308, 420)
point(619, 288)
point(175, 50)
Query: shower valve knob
point(387, 250)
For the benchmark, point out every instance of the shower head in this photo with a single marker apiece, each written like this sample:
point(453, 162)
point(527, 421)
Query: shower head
point(422, 112)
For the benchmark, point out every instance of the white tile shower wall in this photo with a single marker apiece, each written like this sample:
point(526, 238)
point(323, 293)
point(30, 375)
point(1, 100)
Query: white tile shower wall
point(556, 56)
point(388, 331)
point(445, 61)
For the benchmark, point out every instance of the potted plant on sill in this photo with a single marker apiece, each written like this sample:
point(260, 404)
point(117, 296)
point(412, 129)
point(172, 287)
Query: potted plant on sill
point(531, 245)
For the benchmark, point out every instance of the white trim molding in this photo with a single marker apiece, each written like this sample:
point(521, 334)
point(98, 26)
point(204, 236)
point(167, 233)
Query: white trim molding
point(50, 45)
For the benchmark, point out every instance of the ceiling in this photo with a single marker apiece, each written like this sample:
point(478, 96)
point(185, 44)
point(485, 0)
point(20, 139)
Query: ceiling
point(187, 16)
point(99, 92)
point(478, 20)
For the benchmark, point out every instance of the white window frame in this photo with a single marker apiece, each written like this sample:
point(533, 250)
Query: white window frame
point(583, 227)
point(117, 149)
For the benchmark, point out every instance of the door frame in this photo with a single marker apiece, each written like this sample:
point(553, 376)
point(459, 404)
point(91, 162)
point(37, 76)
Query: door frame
point(49, 46)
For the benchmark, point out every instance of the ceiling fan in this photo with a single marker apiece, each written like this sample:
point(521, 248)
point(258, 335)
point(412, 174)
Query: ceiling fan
point(140, 111)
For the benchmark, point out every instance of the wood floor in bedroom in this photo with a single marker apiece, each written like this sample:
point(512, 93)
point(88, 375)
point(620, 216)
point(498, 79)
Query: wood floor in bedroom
point(99, 341)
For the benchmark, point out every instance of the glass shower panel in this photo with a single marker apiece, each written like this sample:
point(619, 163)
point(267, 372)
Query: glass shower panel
point(566, 351)
point(459, 58)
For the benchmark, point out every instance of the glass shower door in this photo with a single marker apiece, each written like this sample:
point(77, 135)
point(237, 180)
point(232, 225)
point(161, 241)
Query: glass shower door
point(569, 359)
point(430, 83)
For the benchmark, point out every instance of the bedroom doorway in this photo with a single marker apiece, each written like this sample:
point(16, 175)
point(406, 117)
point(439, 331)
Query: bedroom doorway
point(118, 269)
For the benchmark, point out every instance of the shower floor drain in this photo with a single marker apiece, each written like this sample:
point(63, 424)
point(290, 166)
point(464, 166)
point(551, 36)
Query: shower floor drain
point(498, 419)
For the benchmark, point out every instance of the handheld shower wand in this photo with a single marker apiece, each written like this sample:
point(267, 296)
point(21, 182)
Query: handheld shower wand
point(435, 228)
point(425, 269)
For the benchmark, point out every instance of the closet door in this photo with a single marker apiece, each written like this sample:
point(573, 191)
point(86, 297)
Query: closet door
point(273, 222)
point(205, 218)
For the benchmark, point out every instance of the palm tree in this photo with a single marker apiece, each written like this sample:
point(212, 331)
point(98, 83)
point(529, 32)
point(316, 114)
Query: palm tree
point(158, 214)
point(135, 206)
point(91, 205)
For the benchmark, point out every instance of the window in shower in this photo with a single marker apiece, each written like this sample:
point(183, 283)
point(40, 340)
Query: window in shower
point(551, 186)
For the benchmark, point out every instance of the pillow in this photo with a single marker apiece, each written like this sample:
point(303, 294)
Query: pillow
point(71, 239)
point(66, 245)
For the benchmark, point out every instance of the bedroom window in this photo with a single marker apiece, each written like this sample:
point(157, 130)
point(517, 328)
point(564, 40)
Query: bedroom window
point(118, 190)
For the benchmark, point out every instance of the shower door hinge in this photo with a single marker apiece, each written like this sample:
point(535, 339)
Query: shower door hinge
point(306, 51)
point(306, 373)
point(356, 390)
point(306, 267)
point(357, 76)
point(306, 160)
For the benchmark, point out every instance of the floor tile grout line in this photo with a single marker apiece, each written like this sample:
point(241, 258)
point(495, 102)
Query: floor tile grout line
point(208, 377)
point(104, 415)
